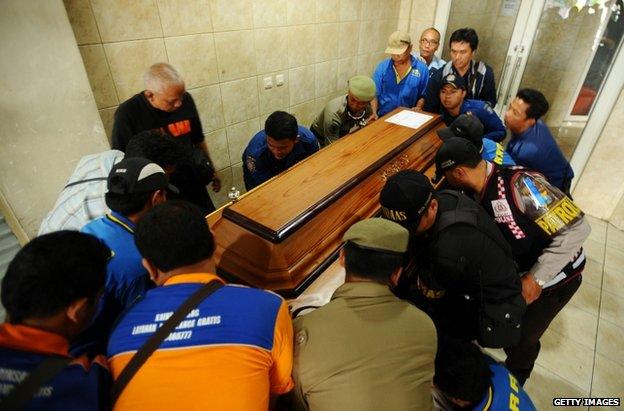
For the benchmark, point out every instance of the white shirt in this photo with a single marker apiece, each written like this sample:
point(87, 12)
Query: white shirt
point(84, 201)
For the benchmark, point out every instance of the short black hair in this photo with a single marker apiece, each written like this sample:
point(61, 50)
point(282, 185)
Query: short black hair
point(461, 370)
point(465, 35)
point(538, 105)
point(158, 147)
point(127, 204)
point(281, 125)
point(51, 272)
point(174, 234)
point(373, 265)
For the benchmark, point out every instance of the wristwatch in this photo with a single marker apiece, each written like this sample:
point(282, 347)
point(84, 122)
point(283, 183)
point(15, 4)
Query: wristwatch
point(539, 282)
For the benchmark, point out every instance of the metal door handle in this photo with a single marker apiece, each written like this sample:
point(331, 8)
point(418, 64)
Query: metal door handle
point(513, 78)
point(503, 76)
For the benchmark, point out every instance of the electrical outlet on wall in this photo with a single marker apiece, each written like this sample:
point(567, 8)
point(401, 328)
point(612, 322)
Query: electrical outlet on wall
point(279, 80)
point(268, 83)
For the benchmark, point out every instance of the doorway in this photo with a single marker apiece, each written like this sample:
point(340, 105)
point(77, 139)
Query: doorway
point(564, 51)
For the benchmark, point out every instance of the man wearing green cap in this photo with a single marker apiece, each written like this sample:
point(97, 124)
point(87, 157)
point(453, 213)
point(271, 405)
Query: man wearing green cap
point(366, 349)
point(345, 114)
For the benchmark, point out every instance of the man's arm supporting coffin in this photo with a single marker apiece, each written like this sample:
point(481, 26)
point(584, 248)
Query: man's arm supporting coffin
point(283, 234)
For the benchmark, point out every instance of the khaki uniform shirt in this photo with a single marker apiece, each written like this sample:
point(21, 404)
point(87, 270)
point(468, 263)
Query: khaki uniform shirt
point(365, 350)
point(334, 121)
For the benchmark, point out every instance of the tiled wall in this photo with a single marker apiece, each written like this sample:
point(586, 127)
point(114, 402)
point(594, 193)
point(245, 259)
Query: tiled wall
point(600, 189)
point(415, 16)
point(224, 49)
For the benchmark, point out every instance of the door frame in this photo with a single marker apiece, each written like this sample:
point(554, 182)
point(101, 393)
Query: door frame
point(605, 101)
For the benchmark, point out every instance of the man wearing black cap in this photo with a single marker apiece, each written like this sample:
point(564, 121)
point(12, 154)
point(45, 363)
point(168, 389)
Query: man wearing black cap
point(464, 268)
point(470, 127)
point(454, 103)
point(135, 185)
point(545, 229)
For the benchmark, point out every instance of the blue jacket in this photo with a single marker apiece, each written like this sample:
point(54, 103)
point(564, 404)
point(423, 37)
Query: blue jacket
point(406, 93)
point(83, 384)
point(493, 127)
point(505, 393)
point(495, 153)
point(259, 165)
point(126, 279)
point(536, 149)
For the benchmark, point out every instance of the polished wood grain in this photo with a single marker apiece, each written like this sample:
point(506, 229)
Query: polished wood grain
point(282, 234)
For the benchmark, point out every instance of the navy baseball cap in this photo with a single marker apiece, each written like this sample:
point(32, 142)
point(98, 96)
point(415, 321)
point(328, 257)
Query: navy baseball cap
point(138, 175)
point(454, 80)
point(454, 152)
point(465, 126)
point(405, 198)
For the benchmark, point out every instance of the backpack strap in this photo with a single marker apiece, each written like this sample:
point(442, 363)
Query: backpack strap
point(19, 396)
point(148, 348)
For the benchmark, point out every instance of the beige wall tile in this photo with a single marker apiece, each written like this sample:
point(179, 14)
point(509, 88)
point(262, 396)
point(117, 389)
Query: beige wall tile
point(350, 10)
point(348, 39)
point(391, 9)
point(423, 10)
point(82, 21)
point(269, 13)
point(271, 49)
point(301, 12)
point(544, 385)
point(405, 9)
point(325, 78)
point(239, 135)
point(320, 103)
point(209, 106)
point(327, 41)
point(237, 177)
point(327, 11)
point(180, 17)
point(221, 198)
point(99, 75)
point(403, 24)
point(236, 54)
point(366, 44)
point(195, 57)
point(218, 148)
point(347, 68)
point(617, 217)
point(302, 45)
point(231, 14)
point(275, 98)
point(615, 238)
point(120, 20)
point(587, 298)
point(240, 100)
point(612, 308)
point(371, 9)
point(610, 341)
point(305, 113)
point(592, 274)
point(108, 118)
point(614, 271)
point(128, 61)
point(598, 229)
point(567, 323)
point(367, 62)
point(608, 381)
point(555, 347)
point(302, 84)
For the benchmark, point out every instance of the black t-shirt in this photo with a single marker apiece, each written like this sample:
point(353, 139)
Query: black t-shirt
point(136, 114)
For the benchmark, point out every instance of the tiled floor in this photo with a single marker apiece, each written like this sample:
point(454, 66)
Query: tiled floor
point(583, 350)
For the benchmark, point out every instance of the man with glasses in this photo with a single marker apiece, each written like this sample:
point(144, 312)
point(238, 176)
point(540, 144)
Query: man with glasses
point(429, 43)
point(281, 145)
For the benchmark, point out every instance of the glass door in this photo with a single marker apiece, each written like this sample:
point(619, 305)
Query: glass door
point(570, 57)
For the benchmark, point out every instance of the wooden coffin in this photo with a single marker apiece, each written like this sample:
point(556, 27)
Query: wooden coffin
point(284, 233)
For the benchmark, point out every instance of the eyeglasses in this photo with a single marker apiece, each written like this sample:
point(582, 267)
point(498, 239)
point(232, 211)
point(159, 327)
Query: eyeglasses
point(429, 42)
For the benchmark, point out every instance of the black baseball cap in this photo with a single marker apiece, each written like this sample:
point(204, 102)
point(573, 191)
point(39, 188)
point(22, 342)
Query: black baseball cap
point(138, 175)
point(454, 152)
point(405, 198)
point(465, 126)
point(454, 80)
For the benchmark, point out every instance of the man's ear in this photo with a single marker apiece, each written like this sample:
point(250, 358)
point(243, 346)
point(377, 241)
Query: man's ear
point(151, 269)
point(464, 92)
point(341, 258)
point(531, 121)
point(78, 310)
point(158, 197)
point(396, 276)
point(433, 207)
point(148, 94)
